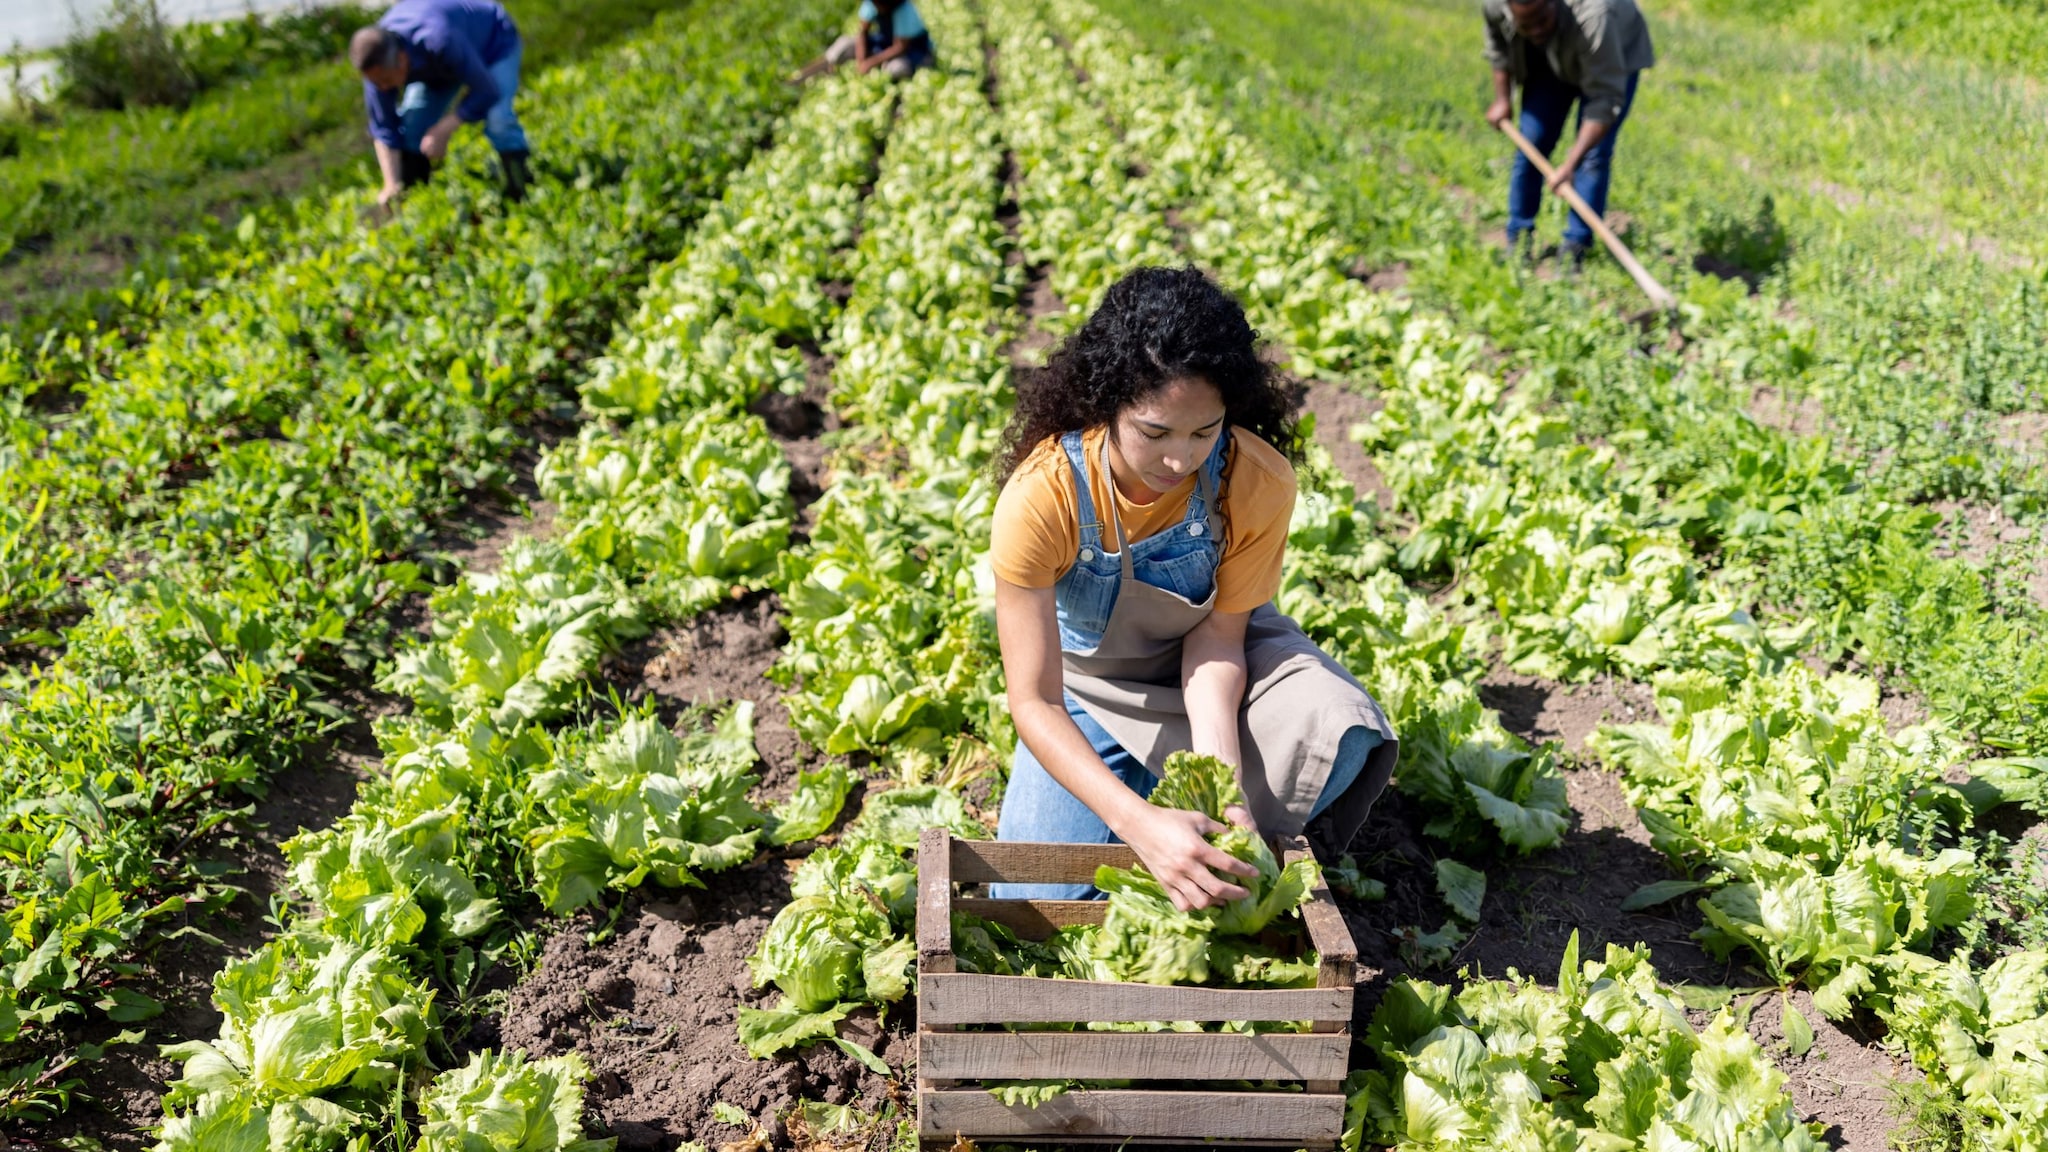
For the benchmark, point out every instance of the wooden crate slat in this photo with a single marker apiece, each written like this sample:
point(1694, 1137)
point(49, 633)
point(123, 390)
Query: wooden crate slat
point(934, 899)
point(1016, 862)
point(1326, 927)
point(1292, 1118)
point(1033, 919)
point(1132, 1056)
point(963, 998)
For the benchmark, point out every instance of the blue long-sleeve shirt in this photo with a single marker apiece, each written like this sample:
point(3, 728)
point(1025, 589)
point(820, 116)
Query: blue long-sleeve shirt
point(450, 43)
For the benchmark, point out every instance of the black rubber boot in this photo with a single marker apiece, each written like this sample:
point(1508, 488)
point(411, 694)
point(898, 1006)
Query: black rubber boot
point(414, 169)
point(517, 174)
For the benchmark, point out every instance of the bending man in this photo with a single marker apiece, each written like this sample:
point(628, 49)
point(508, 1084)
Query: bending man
point(892, 37)
point(415, 61)
point(1561, 53)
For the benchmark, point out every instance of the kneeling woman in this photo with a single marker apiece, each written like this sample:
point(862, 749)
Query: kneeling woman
point(1137, 548)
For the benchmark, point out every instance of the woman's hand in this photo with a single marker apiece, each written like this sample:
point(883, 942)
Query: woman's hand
point(1170, 843)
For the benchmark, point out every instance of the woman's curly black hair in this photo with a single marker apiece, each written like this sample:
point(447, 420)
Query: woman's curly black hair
point(1155, 325)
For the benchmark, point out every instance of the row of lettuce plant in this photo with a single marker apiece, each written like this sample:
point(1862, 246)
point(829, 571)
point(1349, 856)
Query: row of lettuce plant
point(215, 665)
point(271, 347)
point(501, 794)
point(1828, 846)
point(888, 620)
point(1576, 562)
point(897, 571)
point(1828, 841)
point(293, 322)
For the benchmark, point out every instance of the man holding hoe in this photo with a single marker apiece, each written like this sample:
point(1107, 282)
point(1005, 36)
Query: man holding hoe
point(415, 61)
point(1564, 52)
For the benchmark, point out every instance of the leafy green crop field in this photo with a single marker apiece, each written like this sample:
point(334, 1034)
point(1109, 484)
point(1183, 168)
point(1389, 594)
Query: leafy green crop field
point(1783, 892)
point(104, 199)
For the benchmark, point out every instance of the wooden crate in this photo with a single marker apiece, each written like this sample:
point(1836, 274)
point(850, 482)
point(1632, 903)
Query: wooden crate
point(950, 1062)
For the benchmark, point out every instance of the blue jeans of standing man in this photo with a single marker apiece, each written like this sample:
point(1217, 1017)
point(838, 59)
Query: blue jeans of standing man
point(1546, 106)
point(421, 107)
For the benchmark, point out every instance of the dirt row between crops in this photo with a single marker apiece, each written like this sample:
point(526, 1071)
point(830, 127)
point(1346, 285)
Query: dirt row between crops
point(653, 1005)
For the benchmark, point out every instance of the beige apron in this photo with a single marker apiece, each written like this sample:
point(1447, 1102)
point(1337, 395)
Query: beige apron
point(1298, 701)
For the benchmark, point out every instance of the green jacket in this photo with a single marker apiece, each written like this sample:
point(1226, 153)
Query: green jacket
point(1596, 46)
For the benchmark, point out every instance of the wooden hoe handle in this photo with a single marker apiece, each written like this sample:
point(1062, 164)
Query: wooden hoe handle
point(1658, 294)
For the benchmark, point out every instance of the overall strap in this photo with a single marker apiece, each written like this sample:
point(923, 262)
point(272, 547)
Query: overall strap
point(1208, 487)
point(1123, 547)
point(1077, 459)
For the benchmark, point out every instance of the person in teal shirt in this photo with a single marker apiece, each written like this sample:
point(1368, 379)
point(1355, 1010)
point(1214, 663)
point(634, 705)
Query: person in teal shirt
point(892, 37)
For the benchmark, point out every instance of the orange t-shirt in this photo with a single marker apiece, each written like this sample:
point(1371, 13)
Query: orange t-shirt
point(1037, 529)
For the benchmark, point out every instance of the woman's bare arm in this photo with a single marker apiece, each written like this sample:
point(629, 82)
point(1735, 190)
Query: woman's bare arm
point(1213, 678)
point(1170, 842)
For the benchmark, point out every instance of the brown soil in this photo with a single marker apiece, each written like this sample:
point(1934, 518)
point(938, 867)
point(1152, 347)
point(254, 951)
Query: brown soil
point(654, 1010)
point(801, 423)
point(1389, 279)
point(1845, 1080)
point(1541, 710)
point(1901, 707)
point(2023, 432)
point(477, 539)
point(1803, 416)
point(2014, 555)
point(1336, 409)
point(1534, 904)
point(1976, 532)
point(721, 654)
point(1032, 346)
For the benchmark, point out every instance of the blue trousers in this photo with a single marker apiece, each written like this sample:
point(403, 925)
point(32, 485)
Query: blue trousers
point(421, 107)
point(1546, 107)
point(1038, 807)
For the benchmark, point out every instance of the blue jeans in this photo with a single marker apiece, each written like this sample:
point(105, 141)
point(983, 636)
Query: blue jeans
point(421, 107)
point(1546, 106)
point(1037, 807)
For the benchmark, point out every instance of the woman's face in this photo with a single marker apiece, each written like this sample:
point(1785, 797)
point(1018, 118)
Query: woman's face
point(1163, 437)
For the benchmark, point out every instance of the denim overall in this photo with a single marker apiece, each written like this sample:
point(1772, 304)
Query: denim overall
point(1122, 617)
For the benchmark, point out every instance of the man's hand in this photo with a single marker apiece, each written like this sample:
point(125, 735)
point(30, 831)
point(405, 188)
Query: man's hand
point(389, 195)
point(1499, 112)
point(1563, 174)
point(434, 145)
point(1169, 841)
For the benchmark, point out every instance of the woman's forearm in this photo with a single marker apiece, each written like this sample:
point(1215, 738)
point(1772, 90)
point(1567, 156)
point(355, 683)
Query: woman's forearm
point(1057, 742)
point(1213, 679)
